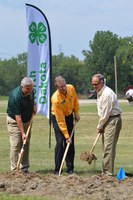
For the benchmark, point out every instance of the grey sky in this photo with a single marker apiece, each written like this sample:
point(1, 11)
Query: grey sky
point(73, 23)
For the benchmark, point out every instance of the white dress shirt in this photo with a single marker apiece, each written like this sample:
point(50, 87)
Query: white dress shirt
point(107, 105)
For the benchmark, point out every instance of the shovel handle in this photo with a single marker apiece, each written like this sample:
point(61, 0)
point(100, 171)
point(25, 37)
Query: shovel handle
point(24, 142)
point(93, 146)
point(66, 150)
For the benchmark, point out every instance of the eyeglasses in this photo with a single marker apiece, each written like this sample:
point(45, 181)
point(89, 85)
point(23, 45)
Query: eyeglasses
point(95, 84)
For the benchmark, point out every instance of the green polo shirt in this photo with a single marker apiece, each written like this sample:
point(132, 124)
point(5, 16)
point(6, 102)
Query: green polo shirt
point(18, 104)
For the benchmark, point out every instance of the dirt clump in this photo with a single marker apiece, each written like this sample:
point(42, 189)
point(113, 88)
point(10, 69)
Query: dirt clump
point(89, 157)
point(66, 187)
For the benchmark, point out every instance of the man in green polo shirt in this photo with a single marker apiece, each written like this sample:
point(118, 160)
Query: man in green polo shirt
point(20, 108)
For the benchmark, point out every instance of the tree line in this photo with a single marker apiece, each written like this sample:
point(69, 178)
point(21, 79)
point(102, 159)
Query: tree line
point(104, 47)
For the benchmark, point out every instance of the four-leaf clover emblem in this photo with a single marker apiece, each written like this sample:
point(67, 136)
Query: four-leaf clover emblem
point(37, 33)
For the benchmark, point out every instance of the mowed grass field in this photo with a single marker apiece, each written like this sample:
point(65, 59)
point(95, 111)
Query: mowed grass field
point(42, 157)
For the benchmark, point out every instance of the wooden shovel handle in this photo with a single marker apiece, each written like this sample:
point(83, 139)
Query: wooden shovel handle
point(95, 142)
point(24, 142)
point(66, 150)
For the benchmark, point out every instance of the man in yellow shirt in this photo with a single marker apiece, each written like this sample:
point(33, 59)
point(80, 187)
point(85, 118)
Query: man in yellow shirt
point(65, 107)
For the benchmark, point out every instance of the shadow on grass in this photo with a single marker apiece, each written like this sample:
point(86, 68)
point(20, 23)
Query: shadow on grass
point(88, 172)
point(128, 174)
point(45, 171)
point(77, 172)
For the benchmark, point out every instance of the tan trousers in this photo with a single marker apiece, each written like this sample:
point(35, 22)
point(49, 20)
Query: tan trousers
point(109, 140)
point(16, 144)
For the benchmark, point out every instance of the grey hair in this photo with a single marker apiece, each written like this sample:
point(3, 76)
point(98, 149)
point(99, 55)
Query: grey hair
point(100, 77)
point(26, 81)
point(59, 79)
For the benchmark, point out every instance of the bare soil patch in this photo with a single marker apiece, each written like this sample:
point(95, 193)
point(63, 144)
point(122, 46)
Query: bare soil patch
point(66, 187)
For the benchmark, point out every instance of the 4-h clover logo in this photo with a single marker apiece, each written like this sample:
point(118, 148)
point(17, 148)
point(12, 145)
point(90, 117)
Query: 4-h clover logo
point(37, 33)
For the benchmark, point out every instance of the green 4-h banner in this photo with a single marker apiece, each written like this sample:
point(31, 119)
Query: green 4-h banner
point(39, 57)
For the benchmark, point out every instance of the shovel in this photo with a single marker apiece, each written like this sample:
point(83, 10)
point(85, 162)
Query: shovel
point(90, 156)
point(24, 143)
point(66, 150)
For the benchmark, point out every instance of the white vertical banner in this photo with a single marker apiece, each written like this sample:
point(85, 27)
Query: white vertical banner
point(39, 57)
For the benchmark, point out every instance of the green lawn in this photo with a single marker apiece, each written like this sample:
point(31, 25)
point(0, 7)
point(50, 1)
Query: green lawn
point(8, 197)
point(42, 157)
point(3, 98)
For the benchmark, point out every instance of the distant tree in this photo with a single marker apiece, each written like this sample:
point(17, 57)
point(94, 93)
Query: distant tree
point(73, 71)
point(100, 57)
point(22, 59)
point(11, 73)
point(124, 60)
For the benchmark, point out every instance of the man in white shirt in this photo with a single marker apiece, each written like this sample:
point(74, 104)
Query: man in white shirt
point(110, 122)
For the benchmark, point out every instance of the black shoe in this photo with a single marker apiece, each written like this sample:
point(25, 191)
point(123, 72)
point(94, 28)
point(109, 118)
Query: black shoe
point(56, 172)
point(25, 170)
point(71, 171)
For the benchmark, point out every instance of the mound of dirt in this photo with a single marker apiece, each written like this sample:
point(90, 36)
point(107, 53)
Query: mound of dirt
point(66, 187)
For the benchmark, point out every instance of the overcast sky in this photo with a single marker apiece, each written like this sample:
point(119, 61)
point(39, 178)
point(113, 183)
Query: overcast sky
point(73, 23)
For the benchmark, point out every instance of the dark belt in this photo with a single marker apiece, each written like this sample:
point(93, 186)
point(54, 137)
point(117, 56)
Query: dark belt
point(116, 115)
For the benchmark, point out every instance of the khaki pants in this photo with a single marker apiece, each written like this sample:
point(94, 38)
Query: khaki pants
point(16, 144)
point(109, 140)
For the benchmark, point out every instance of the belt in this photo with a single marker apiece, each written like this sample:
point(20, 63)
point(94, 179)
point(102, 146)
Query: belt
point(116, 115)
